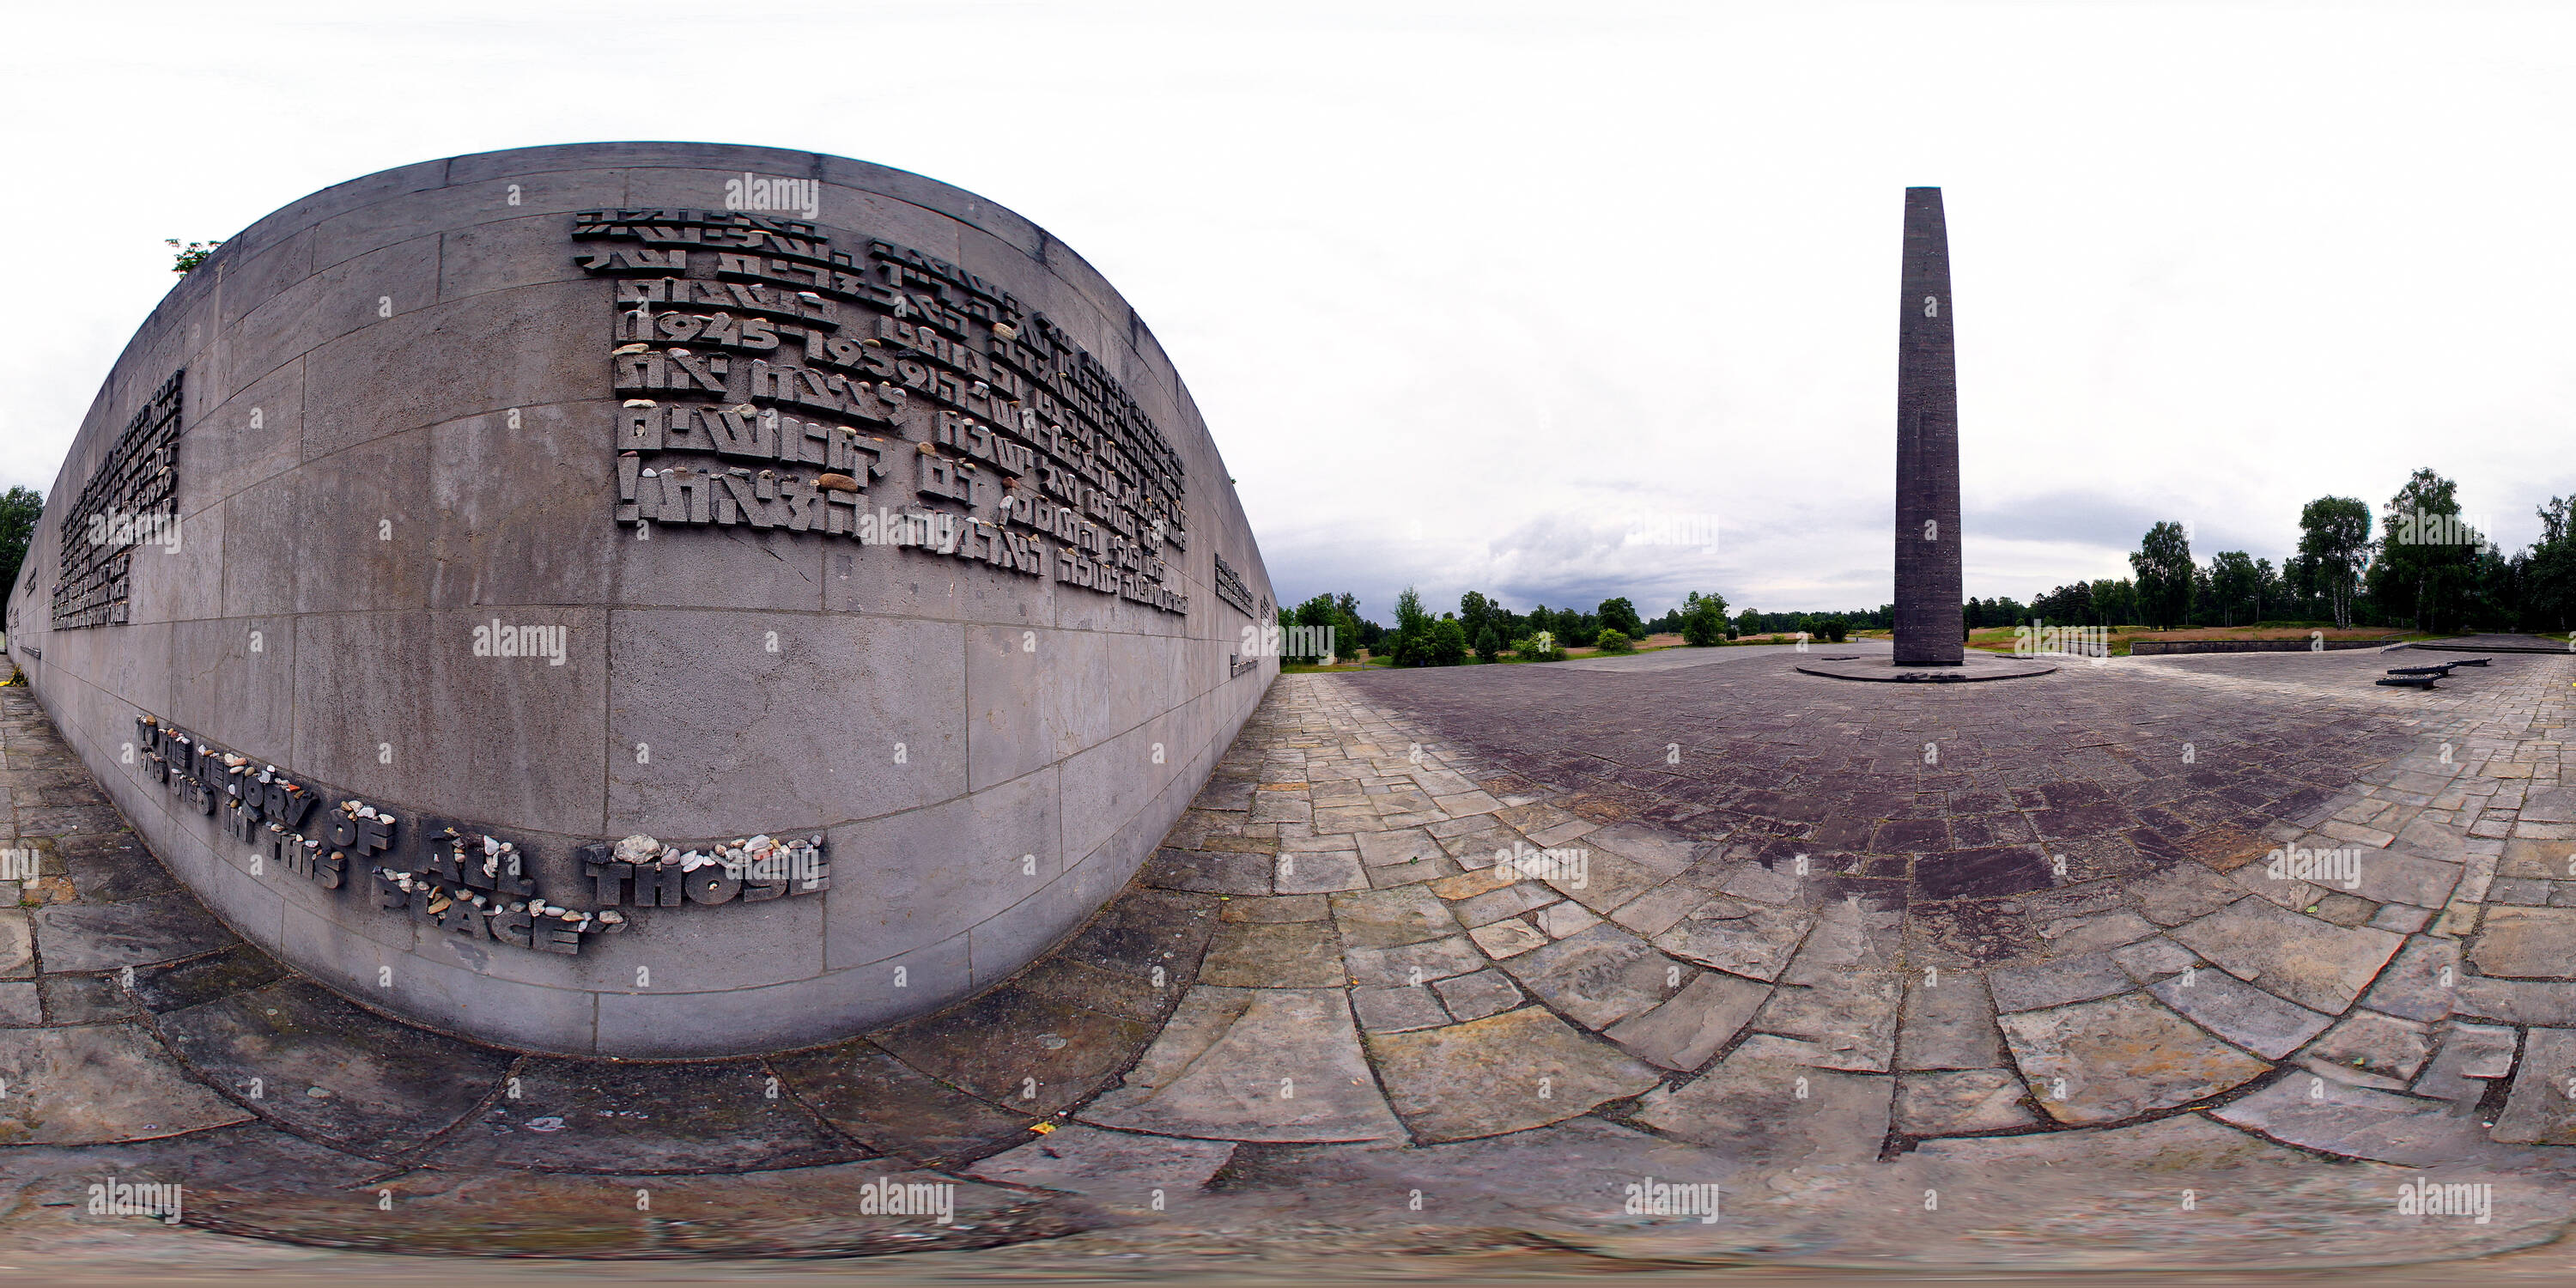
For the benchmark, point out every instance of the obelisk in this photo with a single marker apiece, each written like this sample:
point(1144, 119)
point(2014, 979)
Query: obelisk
point(1929, 615)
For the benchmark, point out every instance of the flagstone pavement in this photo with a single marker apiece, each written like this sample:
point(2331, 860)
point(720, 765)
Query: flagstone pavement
point(2187, 961)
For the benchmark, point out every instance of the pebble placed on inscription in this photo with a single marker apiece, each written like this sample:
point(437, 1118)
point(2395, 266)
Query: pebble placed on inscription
point(640, 402)
point(836, 483)
point(629, 348)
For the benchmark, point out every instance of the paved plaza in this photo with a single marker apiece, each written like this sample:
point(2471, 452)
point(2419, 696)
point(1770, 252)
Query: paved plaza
point(2183, 961)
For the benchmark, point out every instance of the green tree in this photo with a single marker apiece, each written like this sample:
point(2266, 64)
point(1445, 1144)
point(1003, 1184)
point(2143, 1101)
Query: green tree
point(2234, 584)
point(20, 508)
point(186, 258)
point(2065, 606)
point(2164, 568)
point(2427, 563)
point(1703, 618)
point(1611, 641)
point(1475, 612)
point(2115, 603)
point(1319, 615)
point(1621, 616)
point(1412, 643)
point(2334, 536)
point(1489, 646)
point(2546, 573)
point(1448, 642)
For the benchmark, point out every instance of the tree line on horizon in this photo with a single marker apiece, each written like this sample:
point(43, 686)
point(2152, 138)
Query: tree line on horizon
point(2347, 572)
point(2423, 569)
point(1482, 627)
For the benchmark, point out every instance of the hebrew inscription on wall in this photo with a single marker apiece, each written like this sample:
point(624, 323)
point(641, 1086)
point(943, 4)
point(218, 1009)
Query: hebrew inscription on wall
point(877, 395)
point(129, 500)
point(1231, 588)
point(454, 877)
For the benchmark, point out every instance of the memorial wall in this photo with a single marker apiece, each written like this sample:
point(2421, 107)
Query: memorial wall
point(646, 599)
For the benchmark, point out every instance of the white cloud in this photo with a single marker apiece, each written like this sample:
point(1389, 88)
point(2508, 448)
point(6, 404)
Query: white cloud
point(1509, 270)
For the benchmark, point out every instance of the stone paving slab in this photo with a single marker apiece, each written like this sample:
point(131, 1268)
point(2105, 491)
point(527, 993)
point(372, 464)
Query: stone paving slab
point(1117, 1168)
point(2542, 1107)
point(622, 1118)
point(2117, 1058)
point(97, 1084)
point(1267, 1064)
point(2526, 943)
point(1505, 1073)
point(1849, 1019)
point(1684, 1030)
point(2240, 1012)
point(2357, 1122)
point(868, 1095)
point(1948, 1023)
point(99, 937)
point(1599, 976)
point(1959, 1101)
point(2317, 965)
point(301, 1056)
point(1772, 1099)
point(1019, 1047)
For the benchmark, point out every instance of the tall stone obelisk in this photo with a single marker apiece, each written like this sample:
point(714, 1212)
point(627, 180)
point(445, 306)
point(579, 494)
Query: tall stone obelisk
point(1929, 615)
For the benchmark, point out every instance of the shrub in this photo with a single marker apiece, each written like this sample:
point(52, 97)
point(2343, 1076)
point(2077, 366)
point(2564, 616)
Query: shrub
point(1837, 629)
point(1704, 628)
point(1610, 641)
point(1488, 647)
point(1448, 642)
point(1730, 632)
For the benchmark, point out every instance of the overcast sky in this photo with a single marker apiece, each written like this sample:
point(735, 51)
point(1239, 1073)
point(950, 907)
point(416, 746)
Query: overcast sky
point(1512, 297)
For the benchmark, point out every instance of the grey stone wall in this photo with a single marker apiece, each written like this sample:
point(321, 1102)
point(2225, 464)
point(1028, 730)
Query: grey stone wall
point(400, 436)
